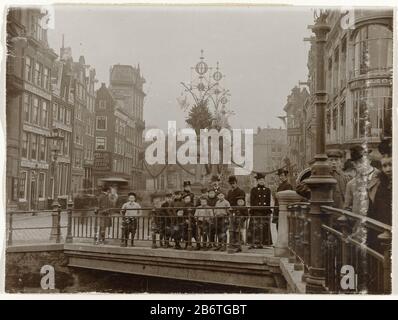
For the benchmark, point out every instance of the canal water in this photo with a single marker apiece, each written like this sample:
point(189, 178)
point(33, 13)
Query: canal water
point(111, 282)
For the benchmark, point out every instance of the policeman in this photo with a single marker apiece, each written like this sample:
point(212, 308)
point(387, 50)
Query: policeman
point(259, 226)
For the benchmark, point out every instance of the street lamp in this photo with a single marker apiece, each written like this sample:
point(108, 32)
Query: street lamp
point(55, 148)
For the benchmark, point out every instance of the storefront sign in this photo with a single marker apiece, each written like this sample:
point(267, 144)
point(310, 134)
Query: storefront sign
point(34, 164)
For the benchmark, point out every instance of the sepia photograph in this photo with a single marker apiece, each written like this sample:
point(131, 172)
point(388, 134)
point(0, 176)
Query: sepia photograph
point(198, 149)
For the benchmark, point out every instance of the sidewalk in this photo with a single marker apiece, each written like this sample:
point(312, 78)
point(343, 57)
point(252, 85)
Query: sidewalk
point(41, 220)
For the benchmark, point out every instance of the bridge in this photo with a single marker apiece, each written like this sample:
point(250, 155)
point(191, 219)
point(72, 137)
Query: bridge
point(68, 240)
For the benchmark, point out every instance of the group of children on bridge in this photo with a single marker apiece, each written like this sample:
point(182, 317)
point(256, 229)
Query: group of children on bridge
point(207, 218)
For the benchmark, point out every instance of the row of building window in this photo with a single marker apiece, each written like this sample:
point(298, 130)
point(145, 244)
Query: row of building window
point(35, 110)
point(33, 147)
point(372, 106)
point(36, 73)
point(38, 185)
point(62, 114)
point(371, 52)
point(36, 28)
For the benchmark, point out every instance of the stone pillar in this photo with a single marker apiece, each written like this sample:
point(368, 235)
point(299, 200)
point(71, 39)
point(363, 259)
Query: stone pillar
point(284, 198)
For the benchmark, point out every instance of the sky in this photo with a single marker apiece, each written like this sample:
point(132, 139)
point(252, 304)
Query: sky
point(260, 50)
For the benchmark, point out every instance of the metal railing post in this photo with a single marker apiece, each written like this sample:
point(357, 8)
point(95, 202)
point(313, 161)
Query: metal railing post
point(231, 239)
point(306, 241)
point(297, 238)
point(96, 229)
point(189, 235)
point(10, 226)
point(154, 226)
point(69, 237)
point(385, 239)
point(58, 237)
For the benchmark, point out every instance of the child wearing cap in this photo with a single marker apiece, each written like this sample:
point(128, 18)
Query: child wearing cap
point(130, 215)
point(203, 217)
point(220, 213)
point(237, 219)
point(211, 201)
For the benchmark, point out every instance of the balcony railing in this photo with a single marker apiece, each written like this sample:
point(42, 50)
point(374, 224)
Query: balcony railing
point(345, 251)
point(387, 71)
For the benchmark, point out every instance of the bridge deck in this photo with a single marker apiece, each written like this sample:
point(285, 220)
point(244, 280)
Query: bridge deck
point(258, 268)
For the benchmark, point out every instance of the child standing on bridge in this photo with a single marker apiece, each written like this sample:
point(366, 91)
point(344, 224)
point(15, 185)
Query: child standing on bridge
point(130, 214)
point(221, 215)
point(203, 216)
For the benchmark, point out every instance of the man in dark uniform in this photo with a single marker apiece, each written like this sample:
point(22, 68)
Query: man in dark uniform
point(283, 185)
point(259, 226)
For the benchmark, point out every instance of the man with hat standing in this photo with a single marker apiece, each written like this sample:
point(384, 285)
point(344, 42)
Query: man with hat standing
point(215, 183)
point(283, 185)
point(259, 226)
point(234, 194)
point(380, 195)
point(187, 190)
point(356, 196)
point(166, 221)
point(335, 162)
point(178, 220)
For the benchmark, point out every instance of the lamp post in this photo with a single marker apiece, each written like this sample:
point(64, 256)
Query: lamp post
point(320, 181)
point(55, 148)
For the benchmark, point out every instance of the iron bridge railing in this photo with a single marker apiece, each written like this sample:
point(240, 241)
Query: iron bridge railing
point(356, 249)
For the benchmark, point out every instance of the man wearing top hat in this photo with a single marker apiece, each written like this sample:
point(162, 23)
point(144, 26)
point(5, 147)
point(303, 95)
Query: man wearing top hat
point(335, 162)
point(259, 226)
point(283, 185)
